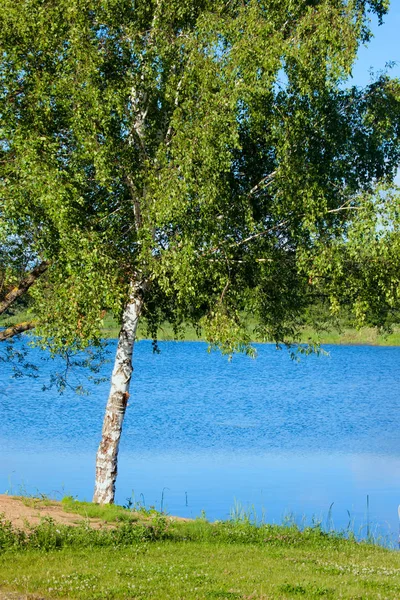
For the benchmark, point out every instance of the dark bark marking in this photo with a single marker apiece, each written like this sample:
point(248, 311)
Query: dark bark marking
point(125, 398)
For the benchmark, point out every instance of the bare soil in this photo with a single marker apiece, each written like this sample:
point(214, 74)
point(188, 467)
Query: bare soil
point(23, 512)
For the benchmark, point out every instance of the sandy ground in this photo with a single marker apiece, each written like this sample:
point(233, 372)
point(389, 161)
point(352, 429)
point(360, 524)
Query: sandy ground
point(29, 511)
point(25, 511)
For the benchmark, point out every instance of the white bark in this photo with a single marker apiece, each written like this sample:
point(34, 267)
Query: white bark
point(107, 454)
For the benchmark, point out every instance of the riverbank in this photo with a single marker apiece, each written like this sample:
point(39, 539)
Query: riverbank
point(151, 555)
point(367, 336)
point(348, 336)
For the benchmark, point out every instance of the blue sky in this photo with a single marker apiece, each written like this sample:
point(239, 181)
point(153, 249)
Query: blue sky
point(384, 47)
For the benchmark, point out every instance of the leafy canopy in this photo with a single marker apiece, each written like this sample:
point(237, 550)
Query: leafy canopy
point(202, 147)
point(361, 270)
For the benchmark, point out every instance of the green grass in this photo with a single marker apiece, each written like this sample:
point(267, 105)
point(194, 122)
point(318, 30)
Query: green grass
point(367, 336)
point(347, 335)
point(111, 328)
point(36, 501)
point(166, 332)
point(162, 559)
point(109, 513)
point(6, 320)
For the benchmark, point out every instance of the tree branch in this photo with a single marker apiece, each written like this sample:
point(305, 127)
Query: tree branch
point(23, 286)
point(260, 233)
point(265, 182)
point(136, 204)
point(168, 135)
point(16, 330)
point(335, 210)
point(341, 208)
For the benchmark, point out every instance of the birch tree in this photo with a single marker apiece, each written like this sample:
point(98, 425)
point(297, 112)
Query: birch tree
point(178, 160)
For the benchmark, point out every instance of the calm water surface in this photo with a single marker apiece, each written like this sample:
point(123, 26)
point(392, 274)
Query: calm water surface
point(205, 434)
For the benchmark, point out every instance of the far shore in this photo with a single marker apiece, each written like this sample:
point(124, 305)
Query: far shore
point(346, 336)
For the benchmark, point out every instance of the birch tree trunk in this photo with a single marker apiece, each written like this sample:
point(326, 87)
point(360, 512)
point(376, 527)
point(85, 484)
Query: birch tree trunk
point(107, 454)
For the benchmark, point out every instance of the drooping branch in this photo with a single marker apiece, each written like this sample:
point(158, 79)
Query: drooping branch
point(23, 286)
point(260, 233)
point(16, 330)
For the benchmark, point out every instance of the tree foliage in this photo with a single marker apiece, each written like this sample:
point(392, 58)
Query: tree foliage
point(361, 271)
point(202, 147)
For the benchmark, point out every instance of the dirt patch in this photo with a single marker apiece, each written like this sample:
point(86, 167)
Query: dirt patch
point(30, 511)
point(24, 511)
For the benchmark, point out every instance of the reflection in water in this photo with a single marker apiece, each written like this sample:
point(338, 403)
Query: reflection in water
point(278, 435)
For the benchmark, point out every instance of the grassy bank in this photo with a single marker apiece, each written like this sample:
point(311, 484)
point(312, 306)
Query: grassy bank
point(153, 556)
point(346, 336)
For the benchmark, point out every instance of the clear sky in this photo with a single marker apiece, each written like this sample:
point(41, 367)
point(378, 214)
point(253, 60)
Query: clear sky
point(384, 47)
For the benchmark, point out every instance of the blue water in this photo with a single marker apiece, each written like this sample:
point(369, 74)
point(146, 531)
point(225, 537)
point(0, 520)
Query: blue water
point(202, 433)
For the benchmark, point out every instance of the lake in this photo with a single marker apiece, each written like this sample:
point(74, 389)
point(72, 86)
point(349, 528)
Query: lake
point(204, 434)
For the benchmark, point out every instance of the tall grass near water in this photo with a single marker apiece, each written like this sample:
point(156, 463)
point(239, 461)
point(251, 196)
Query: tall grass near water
point(152, 555)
